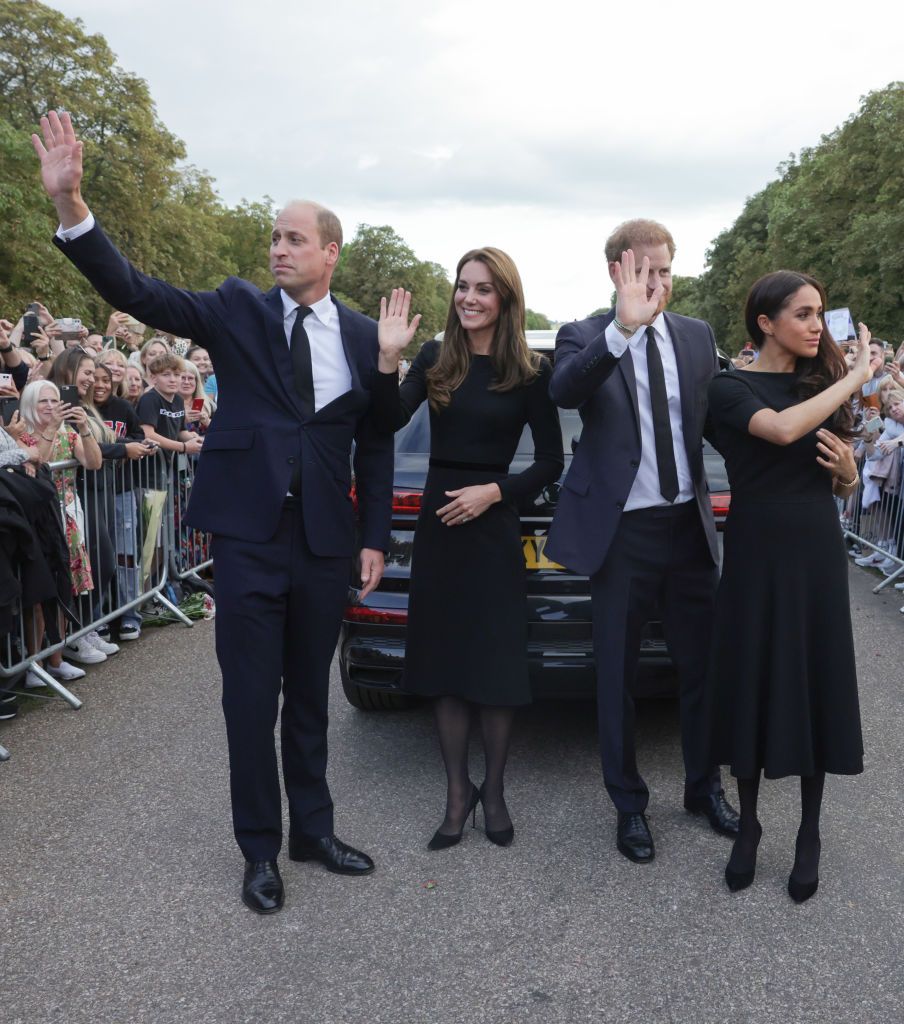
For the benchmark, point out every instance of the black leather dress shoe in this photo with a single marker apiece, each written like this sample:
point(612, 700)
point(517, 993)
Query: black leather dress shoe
point(633, 837)
point(262, 888)
point(332, 853)
point(722, 817)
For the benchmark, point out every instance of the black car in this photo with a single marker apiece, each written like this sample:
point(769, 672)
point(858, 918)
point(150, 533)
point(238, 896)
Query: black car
point(560, 651)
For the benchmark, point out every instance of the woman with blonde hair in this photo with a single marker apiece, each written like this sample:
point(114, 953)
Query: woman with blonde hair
point(467, 629)
point(61, 432)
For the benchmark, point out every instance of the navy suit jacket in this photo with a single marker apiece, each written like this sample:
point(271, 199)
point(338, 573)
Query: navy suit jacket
point(259, 430)
point(588, 377)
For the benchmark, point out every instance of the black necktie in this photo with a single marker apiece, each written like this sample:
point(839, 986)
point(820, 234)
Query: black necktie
point(662, 427)
point(300, 348)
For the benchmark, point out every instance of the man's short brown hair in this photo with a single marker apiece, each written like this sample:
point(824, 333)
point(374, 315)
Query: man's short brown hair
point(167, 361)
point(637, 232)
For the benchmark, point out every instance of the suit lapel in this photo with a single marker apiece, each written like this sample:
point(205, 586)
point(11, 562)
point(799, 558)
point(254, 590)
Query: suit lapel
point(349, 339)
point(279, 350)
point(626, 368)
point(681, 345)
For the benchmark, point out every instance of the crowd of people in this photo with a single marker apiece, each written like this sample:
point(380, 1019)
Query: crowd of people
point(127, 411)
point(876, 514)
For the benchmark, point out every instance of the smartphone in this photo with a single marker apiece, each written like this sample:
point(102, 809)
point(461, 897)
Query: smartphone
point(5, 380)
point(30, 323)
point(70, 327)
point(197, 404)
point(873, 426)
point(7, 407)
point(69, 394)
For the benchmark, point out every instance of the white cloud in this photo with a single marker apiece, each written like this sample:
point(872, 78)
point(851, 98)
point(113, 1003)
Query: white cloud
point(526, 125)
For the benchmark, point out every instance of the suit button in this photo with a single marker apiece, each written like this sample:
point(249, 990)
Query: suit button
point(291, 461)
point(619, 505)
point(635, 463)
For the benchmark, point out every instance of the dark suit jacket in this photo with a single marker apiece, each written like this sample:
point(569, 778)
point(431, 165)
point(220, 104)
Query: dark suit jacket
point(259, 430)
point(589, 378)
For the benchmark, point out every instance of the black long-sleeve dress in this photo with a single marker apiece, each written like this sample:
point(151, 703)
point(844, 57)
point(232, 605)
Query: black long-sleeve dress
point(467, 621)
point(783, 694)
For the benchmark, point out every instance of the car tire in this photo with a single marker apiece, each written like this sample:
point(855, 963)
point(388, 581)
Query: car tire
point(365, 699)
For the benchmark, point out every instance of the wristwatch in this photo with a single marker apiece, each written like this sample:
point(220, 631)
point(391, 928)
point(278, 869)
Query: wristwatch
point(8, 348)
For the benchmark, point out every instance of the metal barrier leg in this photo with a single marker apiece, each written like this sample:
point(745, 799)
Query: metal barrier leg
point(56, 686)
point(180, 615)
point(4, 754)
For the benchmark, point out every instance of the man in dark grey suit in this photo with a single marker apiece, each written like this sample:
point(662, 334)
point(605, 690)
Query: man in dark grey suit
point(634, 514)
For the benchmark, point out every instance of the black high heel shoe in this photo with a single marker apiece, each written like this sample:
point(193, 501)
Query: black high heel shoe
point(738, 880)
point(443, 840)
point(799, 891)
point(502, 836)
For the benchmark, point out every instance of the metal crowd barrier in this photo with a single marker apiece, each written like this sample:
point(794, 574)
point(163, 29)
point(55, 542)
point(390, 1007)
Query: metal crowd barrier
point(873, 516)
point(125, 514)
point(190, 548)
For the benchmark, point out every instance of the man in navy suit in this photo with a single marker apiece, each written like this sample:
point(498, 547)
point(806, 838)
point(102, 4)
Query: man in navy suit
point(634, 514)
point(273, 486)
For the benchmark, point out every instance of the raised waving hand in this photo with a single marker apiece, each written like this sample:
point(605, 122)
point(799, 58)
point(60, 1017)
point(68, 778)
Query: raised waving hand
point(60, 153)
point(633, 306)
point(393, 330)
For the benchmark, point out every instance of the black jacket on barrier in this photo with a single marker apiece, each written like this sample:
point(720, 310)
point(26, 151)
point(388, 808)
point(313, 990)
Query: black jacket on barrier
point(260, 431)
point(34, 559)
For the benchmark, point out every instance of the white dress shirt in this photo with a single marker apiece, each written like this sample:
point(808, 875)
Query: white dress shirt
point(332, 376)
point(645, 489)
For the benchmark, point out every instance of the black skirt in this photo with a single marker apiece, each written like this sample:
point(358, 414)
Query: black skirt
point(783, 683)
point(467, 619)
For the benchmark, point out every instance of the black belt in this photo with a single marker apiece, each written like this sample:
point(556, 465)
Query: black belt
point(479, 467)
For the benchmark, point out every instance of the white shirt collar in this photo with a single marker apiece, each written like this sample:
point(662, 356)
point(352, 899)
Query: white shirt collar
point(323, 308)
point(658, 325)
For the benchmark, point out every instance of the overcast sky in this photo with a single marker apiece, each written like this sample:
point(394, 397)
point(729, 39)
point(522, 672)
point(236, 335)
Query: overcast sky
point(532, 126)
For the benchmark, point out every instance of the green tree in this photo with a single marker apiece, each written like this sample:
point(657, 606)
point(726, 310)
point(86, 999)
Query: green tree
point(378, 260)
point(537, 321)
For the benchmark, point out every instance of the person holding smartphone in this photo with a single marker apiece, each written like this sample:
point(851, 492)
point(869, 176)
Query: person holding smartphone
point(782, 699)
point(60, 432)
point(130, 444)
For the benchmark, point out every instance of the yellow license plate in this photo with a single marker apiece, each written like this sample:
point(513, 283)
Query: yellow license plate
point(534, 558)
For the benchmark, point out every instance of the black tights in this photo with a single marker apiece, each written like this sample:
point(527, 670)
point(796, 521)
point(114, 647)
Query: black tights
point(453, 723)
point(807, 848)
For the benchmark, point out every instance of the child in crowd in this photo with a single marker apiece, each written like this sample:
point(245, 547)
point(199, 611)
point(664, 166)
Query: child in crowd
point(161, 412)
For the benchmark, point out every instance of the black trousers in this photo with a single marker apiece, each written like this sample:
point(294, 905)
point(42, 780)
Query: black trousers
point(279, 609)
point(659, 560)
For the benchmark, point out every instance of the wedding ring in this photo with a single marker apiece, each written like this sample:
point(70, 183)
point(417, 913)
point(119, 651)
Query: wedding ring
point(465, 518)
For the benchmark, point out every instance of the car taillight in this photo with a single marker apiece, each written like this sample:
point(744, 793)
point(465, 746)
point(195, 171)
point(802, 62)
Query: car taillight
point(720, 504)
point(378, 616)
point(407, 502)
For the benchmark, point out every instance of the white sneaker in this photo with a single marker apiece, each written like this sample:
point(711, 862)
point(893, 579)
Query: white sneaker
point(888, 566)
point(83, 651)
point(99, 644)
point(873, 558)
point(64, 672)
point(899, 586)
point(33, 681)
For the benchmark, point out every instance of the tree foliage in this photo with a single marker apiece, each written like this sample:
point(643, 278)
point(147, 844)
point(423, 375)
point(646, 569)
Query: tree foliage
point(837, 212)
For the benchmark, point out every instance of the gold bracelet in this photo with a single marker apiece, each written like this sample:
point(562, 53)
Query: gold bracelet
point(850, 483)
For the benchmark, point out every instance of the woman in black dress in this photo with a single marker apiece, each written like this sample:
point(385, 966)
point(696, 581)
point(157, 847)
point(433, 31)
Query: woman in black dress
point(467, 626)
point(784, 686)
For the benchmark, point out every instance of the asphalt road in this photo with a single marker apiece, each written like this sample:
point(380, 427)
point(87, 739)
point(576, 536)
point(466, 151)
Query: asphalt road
point(119, 878)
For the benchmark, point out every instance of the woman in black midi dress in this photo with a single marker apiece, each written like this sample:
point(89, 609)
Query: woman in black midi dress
point(783, 683)
point(467, 626)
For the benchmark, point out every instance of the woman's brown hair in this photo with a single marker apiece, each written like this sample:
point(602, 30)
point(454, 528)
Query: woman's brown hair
point(768, 297)
point(514, 364)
